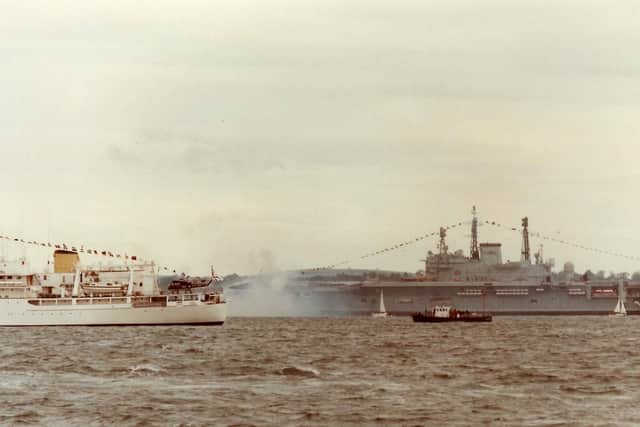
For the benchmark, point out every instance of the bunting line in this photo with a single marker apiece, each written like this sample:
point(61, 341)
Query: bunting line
point(533, 233)
point(400, 245)
point(82, 249)
point(388, 249)
point(71, 248)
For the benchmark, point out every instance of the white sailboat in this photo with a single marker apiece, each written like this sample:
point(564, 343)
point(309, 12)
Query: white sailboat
point(382, 312)
point(620, 309)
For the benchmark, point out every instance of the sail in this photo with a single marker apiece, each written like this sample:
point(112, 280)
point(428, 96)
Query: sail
point(617, 309)
point(382, 309)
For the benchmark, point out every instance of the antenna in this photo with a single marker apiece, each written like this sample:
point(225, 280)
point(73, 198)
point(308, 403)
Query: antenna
point(474, 253)
point(443, 244)
point(525, 258)
point(538, 256)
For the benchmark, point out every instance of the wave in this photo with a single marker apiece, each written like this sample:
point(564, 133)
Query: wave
point(145, 369)
point(591, 390)
point(27, 417)
point(297, 371)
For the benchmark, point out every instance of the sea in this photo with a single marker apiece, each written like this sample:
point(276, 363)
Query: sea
point(341, 371)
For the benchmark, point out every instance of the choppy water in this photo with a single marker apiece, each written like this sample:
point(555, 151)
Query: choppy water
point(315, 371)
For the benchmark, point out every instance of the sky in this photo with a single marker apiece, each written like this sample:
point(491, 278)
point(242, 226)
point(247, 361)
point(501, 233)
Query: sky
point(254, 135)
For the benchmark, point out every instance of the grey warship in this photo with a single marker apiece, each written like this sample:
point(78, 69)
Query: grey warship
point(479, 282)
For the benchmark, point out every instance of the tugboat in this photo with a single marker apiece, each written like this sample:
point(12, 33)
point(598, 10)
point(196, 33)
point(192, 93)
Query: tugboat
point(443, 313)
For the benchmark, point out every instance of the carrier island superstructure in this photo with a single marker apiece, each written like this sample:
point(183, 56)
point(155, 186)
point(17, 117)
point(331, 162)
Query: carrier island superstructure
point(480, 281)
point(73, 294)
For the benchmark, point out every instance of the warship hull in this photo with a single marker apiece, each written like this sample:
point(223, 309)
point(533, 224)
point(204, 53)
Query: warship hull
point(498, 299)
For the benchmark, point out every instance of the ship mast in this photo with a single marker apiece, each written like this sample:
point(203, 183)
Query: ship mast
point(442, 256)
point(474, 253)
point(538, 256)
point(443, 244)
point(525, 258)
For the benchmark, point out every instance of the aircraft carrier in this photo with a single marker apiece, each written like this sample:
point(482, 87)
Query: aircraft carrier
point(480, 282)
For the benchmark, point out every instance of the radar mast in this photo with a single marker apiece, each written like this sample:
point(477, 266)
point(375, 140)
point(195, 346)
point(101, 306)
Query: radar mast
point(525, 258)
point(538, 256)
point(443, 244)
point(474, 253)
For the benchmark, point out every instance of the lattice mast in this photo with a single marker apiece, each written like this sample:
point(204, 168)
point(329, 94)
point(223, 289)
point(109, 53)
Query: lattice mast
point(474, 253)
point(525, 254)
point(443, 251)
point(443, 244)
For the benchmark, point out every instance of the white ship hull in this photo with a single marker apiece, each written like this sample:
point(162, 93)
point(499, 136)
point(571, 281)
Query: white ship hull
point(106, 312)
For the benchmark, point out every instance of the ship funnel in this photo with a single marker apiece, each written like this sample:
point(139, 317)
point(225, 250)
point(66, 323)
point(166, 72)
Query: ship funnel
point(65, 261)
point(491, 253)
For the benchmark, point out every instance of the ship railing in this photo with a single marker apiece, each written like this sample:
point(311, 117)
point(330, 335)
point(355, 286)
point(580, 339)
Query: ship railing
point(50, 301)
point(206, 298)
point(184, 297)
point(118, 268)
point(149, 301)
point(136, 301)
point(14, 286)
point(12, 283)
point(83, 301)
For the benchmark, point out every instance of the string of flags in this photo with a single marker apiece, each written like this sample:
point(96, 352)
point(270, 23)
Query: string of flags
point(390, 248)
point(492, 223)
point(82, 249)
point(400, 245)
point(566, 242)
point(77, 249)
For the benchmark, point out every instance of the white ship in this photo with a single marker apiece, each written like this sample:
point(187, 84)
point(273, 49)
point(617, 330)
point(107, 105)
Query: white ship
point(102, 296)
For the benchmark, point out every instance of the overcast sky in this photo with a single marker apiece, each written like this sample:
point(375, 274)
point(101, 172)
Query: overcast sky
point(281, 134)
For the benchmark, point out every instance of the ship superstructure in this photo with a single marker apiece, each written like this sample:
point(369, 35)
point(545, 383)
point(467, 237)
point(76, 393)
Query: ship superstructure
point(484, 266)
